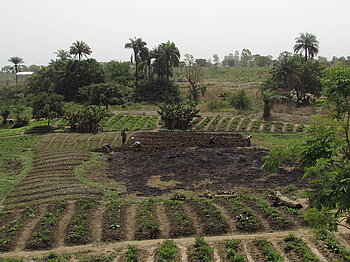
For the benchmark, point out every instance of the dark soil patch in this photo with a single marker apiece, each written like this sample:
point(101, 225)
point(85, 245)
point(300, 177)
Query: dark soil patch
point(112, 226)
point(203, 169)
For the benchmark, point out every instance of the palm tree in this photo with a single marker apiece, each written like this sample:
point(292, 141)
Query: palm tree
point(308, 43)
point(146, 57)
point(16, 60)
point(138, 46)
point(167, 56)
point(286, 71)
point(80, 49)
point(62, 54)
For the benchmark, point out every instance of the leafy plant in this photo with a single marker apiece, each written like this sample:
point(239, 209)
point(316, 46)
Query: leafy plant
point(166, 251)
point(148, 226)
point(177, 116)
point(201, 251)
point(131, 254)
point(297, 245)
point(233, 251)
point(269, 252)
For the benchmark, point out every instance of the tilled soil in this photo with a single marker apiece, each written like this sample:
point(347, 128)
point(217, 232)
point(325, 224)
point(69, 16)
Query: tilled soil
point(200, 169)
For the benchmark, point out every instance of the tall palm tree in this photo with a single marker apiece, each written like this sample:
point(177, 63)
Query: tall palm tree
point(286, 71)
point(138, 46)
point(167, 56)
point(80, 49)
point(306, 42)
point(62, 54)
point(16, 60)
point(146, 57)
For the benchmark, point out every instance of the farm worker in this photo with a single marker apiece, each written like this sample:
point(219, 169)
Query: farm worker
point(137, 145)
point(123, 134)
point(248, 140)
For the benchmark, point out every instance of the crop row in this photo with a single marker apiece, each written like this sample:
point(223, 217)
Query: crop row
point(248, 124)
point(129, 122)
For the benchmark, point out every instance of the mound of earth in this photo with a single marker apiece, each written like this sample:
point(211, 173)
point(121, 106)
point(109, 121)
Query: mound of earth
point(154, 173)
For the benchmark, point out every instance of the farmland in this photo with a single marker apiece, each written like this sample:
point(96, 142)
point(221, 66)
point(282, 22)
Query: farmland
point(70, 198)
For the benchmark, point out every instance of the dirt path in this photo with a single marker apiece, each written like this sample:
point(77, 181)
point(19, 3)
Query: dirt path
point(314, 249)
point(88, 141)
point(130, 227)
point(246, 252)
point(75, 142)
point(27, 230)
point(96, 222)
point(216, 255)
point(183, 253)
point(114, 142)
point(163, 220)
point(151, 255)
point(227, 217)
point(194, 218)
point(62, 225)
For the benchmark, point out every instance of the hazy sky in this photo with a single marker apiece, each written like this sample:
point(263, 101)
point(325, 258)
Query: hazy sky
point(35, 29)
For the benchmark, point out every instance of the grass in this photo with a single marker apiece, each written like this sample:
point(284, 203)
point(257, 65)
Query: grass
point(15, 160)
point(277, 140)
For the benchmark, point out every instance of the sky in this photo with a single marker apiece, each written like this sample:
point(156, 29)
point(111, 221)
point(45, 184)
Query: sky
point(35, 29)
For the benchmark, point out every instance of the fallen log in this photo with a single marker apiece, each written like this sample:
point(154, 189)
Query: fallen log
point(280, 199)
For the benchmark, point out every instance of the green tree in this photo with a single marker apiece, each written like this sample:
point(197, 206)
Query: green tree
point(229, 60)
point(216, 60)
point(5, 110)
point(138, 46)
point(16, 60)
point(270, 96)
point(47, 106)
point(167, 56)
point(246, 57)
point(80, 49)
point(308, 43)
point(103, 94)
point(64, 77)
point(119, 72)
point(325, 155)
point(63, 54)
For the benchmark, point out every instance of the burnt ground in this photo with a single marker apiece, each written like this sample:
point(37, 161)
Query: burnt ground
point(152, 173)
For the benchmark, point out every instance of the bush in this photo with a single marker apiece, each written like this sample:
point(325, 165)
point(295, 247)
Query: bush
point(87, 119)
point(239, 100)
point(177, 116)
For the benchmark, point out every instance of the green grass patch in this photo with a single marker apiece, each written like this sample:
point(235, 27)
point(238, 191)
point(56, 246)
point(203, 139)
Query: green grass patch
point(277, 140)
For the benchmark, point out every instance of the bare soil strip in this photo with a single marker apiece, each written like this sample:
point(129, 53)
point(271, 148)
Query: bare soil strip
point(130, 227)
point(64, 141)
point(227, 217)
point(183, 253)
point(216, 255)
point(101, 140)
point(239, 124)
point(96, 223)
point(279, 249)
point(88, 141)
point(315, 250)
point(114, 142)
point(151, 255)
point(163, 220)
point(28, 229)
point(194, 218)
point(246, 252)
point(62, 225)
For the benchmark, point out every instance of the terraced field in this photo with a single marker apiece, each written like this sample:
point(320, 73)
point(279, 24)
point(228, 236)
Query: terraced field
point(74, 225)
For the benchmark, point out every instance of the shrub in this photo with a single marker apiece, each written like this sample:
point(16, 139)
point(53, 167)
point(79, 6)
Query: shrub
point(87, 119)
point(177, 116)
point(239, 100)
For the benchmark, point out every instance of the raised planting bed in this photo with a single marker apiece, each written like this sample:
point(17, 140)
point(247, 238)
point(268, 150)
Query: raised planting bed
point(269, 252)
point(256, 126)
point(141, 123)
point(120, 124)
point(234, 252)
point(246, 221)
point(300, 128)
point(42, 236)
point(195, 121)
point(214, 123)
point(223, 124)
point(295, 246)
point(107, 125)
point(234, 124)
point(132, 122)
point(78, 230)
point(167, 251)
point(278, 127)
point(151, 123)
point(13, 224)
point(289, 128)
point(211, 218)
point(267, 126)
point(336, 251)
point(200, 251)
point(181, 225)
point(147, 224)
point(113, 218)
point(244, 124)
point(276, 220)
point(204, 123)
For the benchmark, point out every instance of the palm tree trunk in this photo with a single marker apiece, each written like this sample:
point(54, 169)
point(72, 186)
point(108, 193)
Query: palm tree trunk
point(136, 67)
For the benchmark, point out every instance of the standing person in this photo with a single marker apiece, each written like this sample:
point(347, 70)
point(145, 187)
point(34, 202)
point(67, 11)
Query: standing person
point(123, 134)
